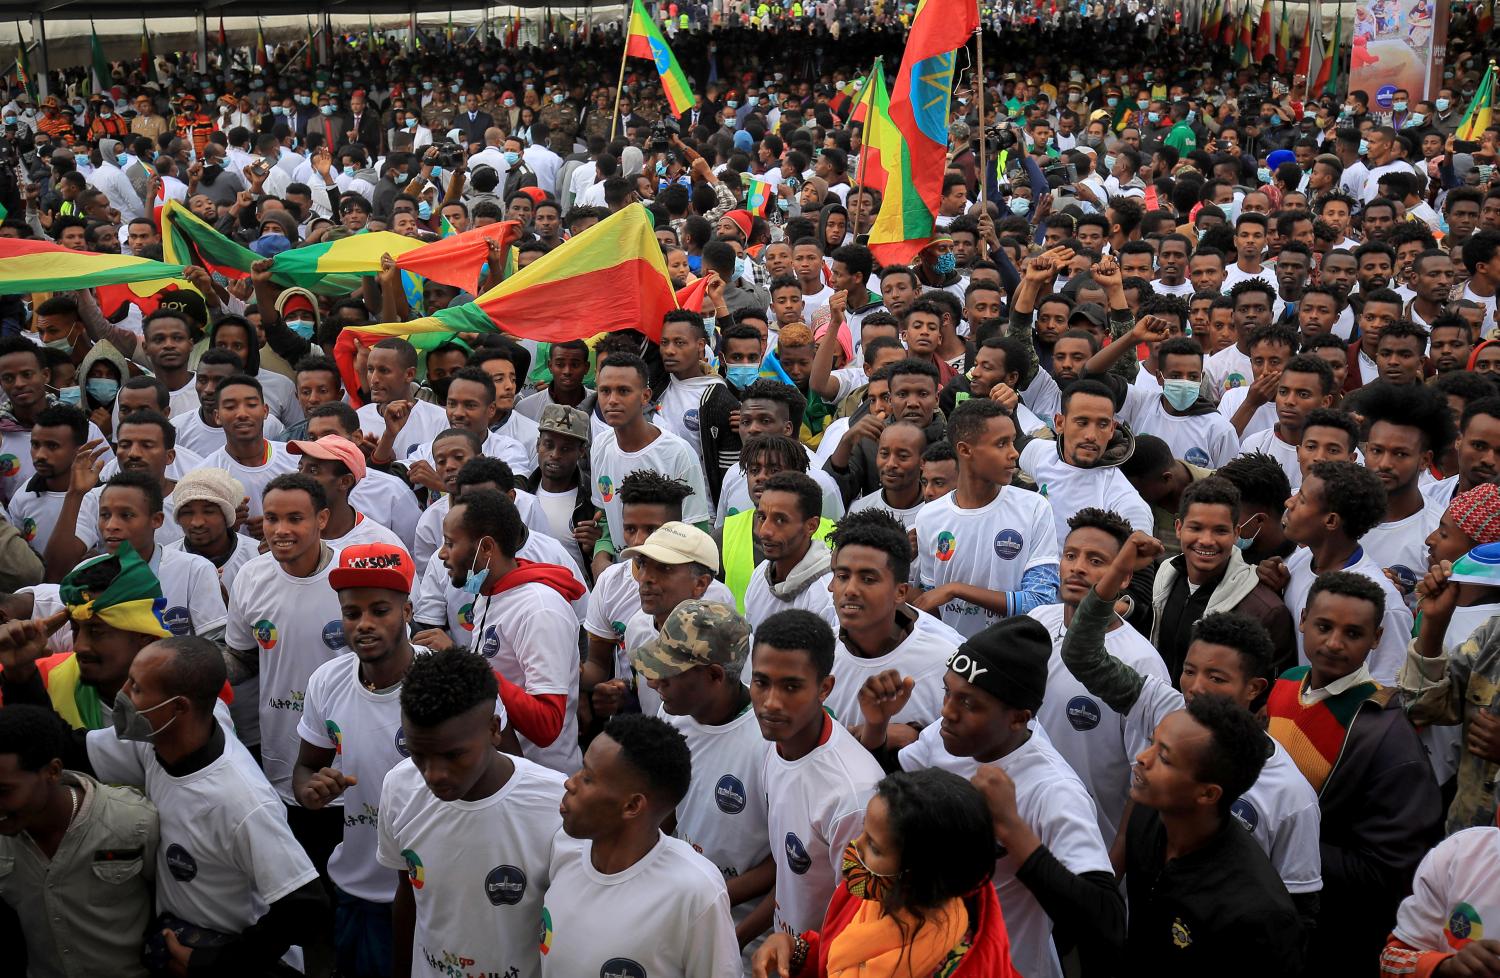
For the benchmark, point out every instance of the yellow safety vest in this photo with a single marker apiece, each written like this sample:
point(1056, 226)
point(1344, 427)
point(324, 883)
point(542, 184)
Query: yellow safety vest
point(739, 552)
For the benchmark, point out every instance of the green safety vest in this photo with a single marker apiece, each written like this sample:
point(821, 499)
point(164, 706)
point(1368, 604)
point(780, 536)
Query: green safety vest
point(739, 552)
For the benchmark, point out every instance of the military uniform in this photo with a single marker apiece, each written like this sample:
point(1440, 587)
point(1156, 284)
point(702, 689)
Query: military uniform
point(562, 122)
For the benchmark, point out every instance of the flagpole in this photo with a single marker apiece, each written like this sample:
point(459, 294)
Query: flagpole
point(979, 87)
point(614, 119)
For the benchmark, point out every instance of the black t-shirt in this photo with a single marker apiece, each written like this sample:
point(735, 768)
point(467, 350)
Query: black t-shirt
point(1220, 911)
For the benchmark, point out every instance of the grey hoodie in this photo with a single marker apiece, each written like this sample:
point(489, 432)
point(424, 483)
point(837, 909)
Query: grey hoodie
point(813, 565)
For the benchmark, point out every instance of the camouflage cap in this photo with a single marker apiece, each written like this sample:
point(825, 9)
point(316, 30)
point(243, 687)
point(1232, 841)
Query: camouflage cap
point(696, 633)
point(564, 420)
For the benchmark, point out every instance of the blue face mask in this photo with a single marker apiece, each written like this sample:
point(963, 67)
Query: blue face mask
point(946, 264)
point(732, 104)
point(1364, 147)
point(1263, 174)
point(661, 169)
point(1112, 101)
point(1245, 543)
point(557, 100)
point(102, 389)
point(304, 99)
point(1181, 394)
point(1020, 206)
point(326, 109)
point(69, 395)
point(1441, 104)
point(424, 210)
point(1191, 115)
point(512, 158)
point(349, 171)
point(122, 160)
point(1275, 121)
point(739, 267)
point(783, 204)
point(742, 375)
point(302, 327)
point(474, 583)
point(437, 174)
point(1153, 117)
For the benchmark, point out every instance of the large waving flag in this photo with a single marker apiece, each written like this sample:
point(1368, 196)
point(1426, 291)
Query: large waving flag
point(644, 40)
point(38, 266)
point(1481, 111)
point(1327, 79)
point(919, 114)
point(610, 277)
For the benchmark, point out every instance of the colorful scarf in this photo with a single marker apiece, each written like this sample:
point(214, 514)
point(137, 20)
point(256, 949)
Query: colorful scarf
point(132, 602)
point(1314, 735)
point(872, 945)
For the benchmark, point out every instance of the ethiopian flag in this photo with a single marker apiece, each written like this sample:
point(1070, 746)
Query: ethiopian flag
point(919, 117)
point(874, 112)
point(644, 40)
point(37, 266)
point(99, 63)
point(454, 260)
point(758, 196)
point(189, 240)
point(1481, 111)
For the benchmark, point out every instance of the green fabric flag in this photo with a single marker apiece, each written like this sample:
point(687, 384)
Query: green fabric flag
point(100, 64)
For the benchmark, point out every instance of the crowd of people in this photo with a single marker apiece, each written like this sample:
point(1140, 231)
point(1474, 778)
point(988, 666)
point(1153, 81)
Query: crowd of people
point(1107, 590)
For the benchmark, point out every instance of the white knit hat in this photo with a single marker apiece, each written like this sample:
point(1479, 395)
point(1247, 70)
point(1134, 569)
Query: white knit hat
point(213, 485)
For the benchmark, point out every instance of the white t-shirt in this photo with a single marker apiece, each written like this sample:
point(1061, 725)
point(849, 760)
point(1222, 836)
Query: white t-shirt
point(195, 605)
point(529, 634)
point(279, 461)
point(496, 445)
point(615, 602)
point(1086, 732)
point(1280, 809)
point(922, 655)
point(478, 869)
point(363, 728)
point(761, 603)
point(666, 916)
point(990, 547)
point(1043, 396)
point(1069, 488)
point(364, 530)
point(1401, 545)
point(1057, 807)
point(1234, 275)
point(86, 528)
point(816, 806)
point(245, 550)
point(34, 514)
point(723, 815)
point(557, 510)
point(1487, 301)
point(523, 430)
point(429, 525)
point(1227, 369)
point(15, 459)
point(388, 501)
point(1455, 891)
point(1183, 288)
point(1206, 440)
point(1263, 418)
point(296, 624)
point(677, 409)
point(734, 494)
point(1285, 455)
point(194, 434)
point(876, 500)
point(667, 454)
point(425, 422)
point(1386, 658)
point(225, 853)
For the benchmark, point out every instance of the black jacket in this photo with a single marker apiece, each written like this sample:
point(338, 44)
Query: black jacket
point(1219, 911)
point(862, 477)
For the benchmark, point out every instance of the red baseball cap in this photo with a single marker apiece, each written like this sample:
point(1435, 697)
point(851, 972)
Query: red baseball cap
point(381, 565)
point(333, 448)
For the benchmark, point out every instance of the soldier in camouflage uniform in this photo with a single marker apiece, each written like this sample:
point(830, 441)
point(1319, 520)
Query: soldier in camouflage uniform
point(596, 120)
point(562, 122)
